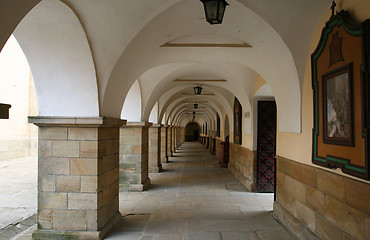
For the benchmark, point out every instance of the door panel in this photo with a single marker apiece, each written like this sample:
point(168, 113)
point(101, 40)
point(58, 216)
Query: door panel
point(266, 146)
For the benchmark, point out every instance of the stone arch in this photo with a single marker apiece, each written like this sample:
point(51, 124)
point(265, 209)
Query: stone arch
point(60, 59)
point(131, 110)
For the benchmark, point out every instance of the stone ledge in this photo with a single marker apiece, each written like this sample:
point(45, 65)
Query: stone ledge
point(155, 169)
point(292, 224)
point(41, 234)
point(156, 125)
point(135, 187)
point(137, 124)
point(76, 121)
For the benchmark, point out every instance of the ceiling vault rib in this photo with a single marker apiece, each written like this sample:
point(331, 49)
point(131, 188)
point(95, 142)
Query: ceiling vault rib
point(199, 80)
point(208, 45)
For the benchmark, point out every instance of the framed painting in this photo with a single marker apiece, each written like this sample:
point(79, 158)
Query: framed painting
point(340, 68)
point(337, 106)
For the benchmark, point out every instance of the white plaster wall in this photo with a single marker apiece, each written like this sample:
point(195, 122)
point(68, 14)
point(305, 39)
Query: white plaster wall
point(131, 110)
point(59, 55)
point(153, 118)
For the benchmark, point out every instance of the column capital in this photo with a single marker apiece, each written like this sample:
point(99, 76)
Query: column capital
point(157, 125)
point(138, 124)
point(76, 121)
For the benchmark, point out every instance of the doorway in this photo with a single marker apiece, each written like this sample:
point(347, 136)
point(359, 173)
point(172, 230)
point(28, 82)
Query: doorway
point(266, 147)
point(192, 132)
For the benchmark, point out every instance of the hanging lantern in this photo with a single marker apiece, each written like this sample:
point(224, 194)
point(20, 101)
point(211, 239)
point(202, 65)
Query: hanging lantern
point(198, 90)
point(214, 10)
point(195, 105)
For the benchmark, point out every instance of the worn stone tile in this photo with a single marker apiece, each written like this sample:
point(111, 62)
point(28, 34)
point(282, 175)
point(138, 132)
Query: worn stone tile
point(82, 201)
point(52, 133)
point(315, 200)
point(295, 188)
point(346, 217)
point(82, 133)
point(203, 235)
point(84, 166)
point(89, 184)
point(274, 235)
point(47, 200)
point(239, 235)
point(68, 183)
point(309, 175)
point(358, 194)
point(331, 184)
point(325, 229)
point(69, 220)
point(66, 148)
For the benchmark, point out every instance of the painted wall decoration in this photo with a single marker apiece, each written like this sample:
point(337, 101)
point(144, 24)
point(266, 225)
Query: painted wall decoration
point(237, 122)
point(340, 82)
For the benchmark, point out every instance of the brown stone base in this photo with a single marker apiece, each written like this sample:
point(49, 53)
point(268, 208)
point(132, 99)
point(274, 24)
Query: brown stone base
point(155, 169)
point(41, 234)
point(296, 227)
point(135, 187)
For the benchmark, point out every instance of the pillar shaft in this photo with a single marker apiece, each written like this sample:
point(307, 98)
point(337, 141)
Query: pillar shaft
point(134, 157)
point(155, 165)
point(164, 157)
point(169, 142)
point(77, 177)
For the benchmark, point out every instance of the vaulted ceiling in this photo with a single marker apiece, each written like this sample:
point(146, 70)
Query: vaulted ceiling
point(86, 54)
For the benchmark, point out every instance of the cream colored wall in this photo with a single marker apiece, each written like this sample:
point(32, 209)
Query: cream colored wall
point(298, 146)
point(17, 136)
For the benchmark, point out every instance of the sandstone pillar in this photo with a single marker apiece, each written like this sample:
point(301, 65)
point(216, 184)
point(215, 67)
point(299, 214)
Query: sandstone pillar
point(77, 177)
point(173, 138)
point(169, 142)
point(133, 159)
point(155, 165)
point(164, 157)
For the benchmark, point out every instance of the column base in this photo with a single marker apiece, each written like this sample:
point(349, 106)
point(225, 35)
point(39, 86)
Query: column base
point(155, 169)
point(126, 187)
point(44, 234)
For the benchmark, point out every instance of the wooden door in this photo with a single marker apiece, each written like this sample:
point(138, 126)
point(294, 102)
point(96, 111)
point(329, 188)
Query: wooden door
point(266, 146)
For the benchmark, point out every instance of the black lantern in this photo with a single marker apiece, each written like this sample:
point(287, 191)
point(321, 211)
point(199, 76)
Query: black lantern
point(198, 90)
point(215, 10)
point(195, 105)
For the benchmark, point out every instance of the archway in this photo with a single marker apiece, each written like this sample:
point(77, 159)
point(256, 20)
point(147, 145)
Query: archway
point(192, 130)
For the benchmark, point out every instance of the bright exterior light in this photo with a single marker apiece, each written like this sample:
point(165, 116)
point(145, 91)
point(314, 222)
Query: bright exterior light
point(198, 90)
point(214, 10)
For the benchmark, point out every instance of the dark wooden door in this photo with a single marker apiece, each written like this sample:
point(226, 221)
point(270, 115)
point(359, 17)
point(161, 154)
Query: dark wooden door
point(266, 146)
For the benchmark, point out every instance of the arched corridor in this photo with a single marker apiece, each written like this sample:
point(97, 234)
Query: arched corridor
point(195, 199)
point(117, 82)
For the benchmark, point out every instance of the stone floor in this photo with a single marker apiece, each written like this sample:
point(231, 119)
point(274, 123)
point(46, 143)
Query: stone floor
point(18, 195)
point(194, 199)
point(191, 199)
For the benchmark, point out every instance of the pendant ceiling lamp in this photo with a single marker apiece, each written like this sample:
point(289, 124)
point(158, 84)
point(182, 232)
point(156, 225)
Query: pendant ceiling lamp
point(214, 10)
point(198, 90)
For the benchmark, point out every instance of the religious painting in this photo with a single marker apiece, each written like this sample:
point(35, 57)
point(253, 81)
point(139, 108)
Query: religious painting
point(237, 122)
point(337, 106)
point(341, 96)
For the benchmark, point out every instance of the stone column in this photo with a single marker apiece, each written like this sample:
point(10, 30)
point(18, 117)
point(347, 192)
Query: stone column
point(169, 142)
point(133, 159)
point(155, 165)
point(164, 158)
point(173, 138)
point(77, 177)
